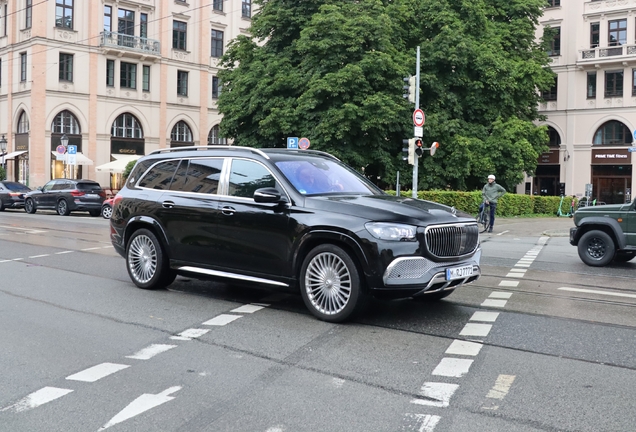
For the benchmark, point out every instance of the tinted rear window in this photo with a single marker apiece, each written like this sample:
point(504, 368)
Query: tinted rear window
point(16, 187)
point(88, 186)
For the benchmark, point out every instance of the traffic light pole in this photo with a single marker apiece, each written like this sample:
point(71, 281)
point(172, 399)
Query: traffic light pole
point(417, 105)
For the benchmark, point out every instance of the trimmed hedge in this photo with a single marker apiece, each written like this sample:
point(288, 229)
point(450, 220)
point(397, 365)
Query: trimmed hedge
point(508, 205)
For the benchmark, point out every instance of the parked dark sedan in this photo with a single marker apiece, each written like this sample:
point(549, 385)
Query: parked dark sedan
point(297, 220)
point(65, 196)
point(12, 194)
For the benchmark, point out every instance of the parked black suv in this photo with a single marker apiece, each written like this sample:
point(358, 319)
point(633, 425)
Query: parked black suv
point(65, 196)
point(12, 194)
point(289, 219)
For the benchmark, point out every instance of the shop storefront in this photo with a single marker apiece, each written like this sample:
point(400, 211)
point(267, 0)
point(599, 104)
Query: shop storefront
point(546, 177)
point(612, 175)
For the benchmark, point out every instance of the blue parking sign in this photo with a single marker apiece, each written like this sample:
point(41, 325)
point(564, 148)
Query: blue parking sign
point(72, 149)
point(292, 142)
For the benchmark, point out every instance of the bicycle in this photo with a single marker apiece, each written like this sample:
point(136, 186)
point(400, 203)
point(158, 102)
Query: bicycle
point(483, 218)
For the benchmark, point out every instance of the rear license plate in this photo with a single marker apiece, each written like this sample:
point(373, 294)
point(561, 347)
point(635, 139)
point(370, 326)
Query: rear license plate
point(459, 272)
point(92, 195)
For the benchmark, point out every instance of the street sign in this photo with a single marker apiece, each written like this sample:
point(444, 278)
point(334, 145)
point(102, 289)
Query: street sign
point(292, 142)
point(72, 149)
point(631, 149)
point(303, 143)
point(418, 117)
point(72, 155)
point(60, 149)
point(418, 131)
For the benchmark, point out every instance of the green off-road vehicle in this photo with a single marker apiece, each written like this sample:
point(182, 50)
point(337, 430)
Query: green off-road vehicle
point(605, 233)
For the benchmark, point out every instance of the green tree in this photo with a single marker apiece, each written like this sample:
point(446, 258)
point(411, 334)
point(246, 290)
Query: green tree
point(3, 173)
point(128, 168)
point(331, 70)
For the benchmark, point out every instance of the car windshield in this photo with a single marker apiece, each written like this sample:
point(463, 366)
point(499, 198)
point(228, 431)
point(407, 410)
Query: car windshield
point(16, 187)
point(89, 186)
point(317, 176)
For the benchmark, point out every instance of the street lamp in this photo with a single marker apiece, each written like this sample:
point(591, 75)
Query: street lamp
point(3, 147)
point(64, 142)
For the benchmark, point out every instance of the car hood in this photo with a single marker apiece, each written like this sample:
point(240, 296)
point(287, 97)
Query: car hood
point(604, 208)
point(388, 207)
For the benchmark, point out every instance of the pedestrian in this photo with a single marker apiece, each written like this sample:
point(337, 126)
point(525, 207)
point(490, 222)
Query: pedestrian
point(573, 205)
point(490, 194)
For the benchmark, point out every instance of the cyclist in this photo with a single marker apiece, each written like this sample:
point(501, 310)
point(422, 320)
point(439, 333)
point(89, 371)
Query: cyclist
point(490, 194)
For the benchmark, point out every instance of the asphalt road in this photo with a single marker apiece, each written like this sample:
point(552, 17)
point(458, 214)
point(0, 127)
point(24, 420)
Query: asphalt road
point(540, 343)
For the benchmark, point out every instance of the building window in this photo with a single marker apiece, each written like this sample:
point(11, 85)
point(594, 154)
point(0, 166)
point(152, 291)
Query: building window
point(181, 132)
point(179, 35)
point(108, 18)
point(23, 123)
point(551, 95)
point(145, 86)
point(214, 137)
point(613, 83)
point(23, 67)
point(617, 32)
point(182, 83)
point(633, 82)
point(28, 17)
point(4, 23)
point(591, 85)
point(554, 3)
point(143, 25)
point(246, 8)
point(128, 75)
point(595, 34)
point(66, 67)
point(612, 133)
point(217, 5)
point(215, 87)
point(555, 43)
point(65, 122)
point(64, 13)
point(217, 43)
point(110, 73)
point(127, 126)
point(554, 137)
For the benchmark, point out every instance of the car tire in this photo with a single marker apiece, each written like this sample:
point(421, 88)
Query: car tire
point(62, 208)
point(146, 261)
point(1, 205)
point(95, 213)
point(434, 296)
point(107, 211)
point(596, 248)
point(29, 206)
point(624, 256)
point(330, 284)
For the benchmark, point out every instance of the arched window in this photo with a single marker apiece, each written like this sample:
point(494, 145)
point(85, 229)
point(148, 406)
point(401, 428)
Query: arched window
point(214, 137)
point(613, 133)
point(555, 138)
point(181, 132)
point(65, 122)
point(127, 126)
point(23, 123)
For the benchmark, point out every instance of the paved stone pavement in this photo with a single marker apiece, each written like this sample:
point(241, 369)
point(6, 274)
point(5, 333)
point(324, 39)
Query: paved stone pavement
point(539, 226)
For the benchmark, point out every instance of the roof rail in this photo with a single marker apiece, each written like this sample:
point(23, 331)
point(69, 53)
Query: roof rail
point(206, 147)
point(318, 152)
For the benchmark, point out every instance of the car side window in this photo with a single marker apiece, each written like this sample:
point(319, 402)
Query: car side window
point(160, 176)
point(202, 176)
point(49, 186)
point(247, 176)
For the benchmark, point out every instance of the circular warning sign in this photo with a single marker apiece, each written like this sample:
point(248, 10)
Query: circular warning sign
point(60, 149)
point(418, 117)
point(303, 143)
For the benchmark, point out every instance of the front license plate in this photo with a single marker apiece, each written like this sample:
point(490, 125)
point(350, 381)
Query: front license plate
point(459, 272)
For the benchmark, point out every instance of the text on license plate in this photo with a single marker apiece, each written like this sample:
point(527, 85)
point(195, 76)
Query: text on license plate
point(91, 195)
point(459, 272)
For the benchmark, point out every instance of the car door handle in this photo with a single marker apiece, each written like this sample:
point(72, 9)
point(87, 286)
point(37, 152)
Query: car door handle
point(229, 211)
point(167, 204)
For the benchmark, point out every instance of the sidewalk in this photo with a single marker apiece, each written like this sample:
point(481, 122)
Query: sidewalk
point(540, 226)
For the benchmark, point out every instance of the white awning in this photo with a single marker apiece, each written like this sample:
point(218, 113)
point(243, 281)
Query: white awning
point(117, 166)
point(79, 157)
point(12, 155)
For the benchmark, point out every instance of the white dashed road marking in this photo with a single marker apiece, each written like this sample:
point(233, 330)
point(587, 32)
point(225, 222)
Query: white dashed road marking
point(40, 397)
point(190, 334)
point(506, 283)
point(588, 291)
point(453, 367)
point(250, 308)
point(485, 316)
point(39, 256)
point(151, 351)
point(459, 347)
point(63, 252)
point(222, 320)
point(472, 329)
point(500, 295)
point(494, 303)
point(97, 372)
point(436, 394)
point(424, 422)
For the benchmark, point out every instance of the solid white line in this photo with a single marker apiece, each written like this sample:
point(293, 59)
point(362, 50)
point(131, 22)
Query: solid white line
point(151, 351)
point(452, 367)
point(485, 316)
point(501, 387)
point(494, 303)
point(193, 333)
point(459, 347)
point(437, 394)
point(248, 308)
point(97, 372)
point(40, 397)
point(608, 293)
point(39, 256)
point(472, 329)
point(503, 232)
point(64, 252)
point(506, 283)
point(500, 295)
point(222, 320)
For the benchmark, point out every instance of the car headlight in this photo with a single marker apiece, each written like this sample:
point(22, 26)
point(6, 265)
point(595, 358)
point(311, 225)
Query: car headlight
point(391, 231)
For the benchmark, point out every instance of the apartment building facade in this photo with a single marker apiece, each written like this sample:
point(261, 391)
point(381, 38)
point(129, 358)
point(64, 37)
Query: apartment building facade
point(117, 79)
point(591, 110)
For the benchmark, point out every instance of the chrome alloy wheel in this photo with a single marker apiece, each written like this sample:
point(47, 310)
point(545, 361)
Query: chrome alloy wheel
point(107, 212)
point(142, 258)
point(328, 283)
point(596, 248)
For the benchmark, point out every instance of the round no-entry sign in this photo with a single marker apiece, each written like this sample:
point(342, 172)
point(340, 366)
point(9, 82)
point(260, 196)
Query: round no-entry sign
point(418, 118)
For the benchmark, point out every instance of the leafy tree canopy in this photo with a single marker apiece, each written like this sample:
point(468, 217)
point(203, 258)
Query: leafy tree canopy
point(331, 71)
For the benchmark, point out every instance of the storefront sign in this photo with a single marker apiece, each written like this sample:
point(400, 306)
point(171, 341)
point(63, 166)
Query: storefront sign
point(549, 158)
point(611, 156)
point(22, 142)
point(127, 147)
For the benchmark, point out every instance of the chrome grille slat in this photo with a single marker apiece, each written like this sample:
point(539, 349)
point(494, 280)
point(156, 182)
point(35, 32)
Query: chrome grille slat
point(453, 240)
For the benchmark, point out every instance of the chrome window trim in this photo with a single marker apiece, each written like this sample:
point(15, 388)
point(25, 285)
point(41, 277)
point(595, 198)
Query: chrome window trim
point(231, 275)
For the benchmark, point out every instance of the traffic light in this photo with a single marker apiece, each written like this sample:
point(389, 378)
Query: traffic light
point(418, 147)
point(410, 150)
point(410, 88)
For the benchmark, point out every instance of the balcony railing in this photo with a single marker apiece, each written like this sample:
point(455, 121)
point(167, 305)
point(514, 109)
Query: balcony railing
point(607, 53)
point(128, 42)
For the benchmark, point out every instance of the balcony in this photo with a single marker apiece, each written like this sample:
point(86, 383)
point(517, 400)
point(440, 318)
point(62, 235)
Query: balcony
point(615, 54)
point(119, 42)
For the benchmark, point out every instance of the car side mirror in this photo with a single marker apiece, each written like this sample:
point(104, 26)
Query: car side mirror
point(268, 195)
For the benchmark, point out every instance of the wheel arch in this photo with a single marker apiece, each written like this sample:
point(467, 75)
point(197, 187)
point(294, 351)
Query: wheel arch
point(607, 225)
point(150, 224)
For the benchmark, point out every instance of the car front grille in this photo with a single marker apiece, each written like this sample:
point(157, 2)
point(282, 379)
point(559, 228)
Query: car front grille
point(456, 240)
